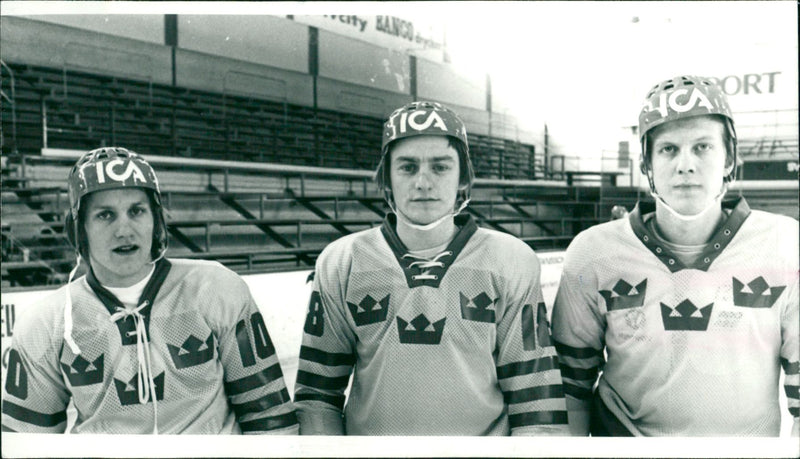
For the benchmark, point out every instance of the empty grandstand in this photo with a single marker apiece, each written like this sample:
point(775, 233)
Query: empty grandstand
point(266, 153)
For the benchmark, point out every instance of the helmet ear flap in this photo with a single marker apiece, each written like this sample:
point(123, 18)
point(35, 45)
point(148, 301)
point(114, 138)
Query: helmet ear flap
point(160, 238)
point(69, 228)
point(76, 236)
point(643, 157)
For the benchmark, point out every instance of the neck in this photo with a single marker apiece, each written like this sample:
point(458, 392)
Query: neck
point(416, 239)
point(693, 232)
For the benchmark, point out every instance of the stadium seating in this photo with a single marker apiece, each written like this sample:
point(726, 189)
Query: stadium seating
point(254, 220)
point(80, 110)
point(262, 182)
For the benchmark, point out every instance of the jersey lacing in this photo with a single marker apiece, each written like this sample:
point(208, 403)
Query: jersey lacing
point(146, 386)
point(68, 312)
point(425, 264)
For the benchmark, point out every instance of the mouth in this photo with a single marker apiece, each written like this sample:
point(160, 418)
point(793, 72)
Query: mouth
point(686, 186)
point(126, 249)
point(424, 200)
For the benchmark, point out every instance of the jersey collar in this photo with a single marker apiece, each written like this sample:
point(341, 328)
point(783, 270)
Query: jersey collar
point(149, 293)
point(739, 213)
point(466, 228)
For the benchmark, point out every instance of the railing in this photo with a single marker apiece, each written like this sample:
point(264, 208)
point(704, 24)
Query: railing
point(11, 101)
point(80, 110)
point(285, 214)
point(572, 168)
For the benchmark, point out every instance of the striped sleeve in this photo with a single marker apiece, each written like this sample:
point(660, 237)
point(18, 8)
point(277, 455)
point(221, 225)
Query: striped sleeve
point(578, 333)
point(254, 381)
point(327, 356)
point(35, 396)
point(527, 365)
point(790, 349)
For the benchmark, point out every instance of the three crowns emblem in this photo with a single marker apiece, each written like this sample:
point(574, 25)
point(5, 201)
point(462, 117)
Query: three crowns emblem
point(82, 372)
point(421, 330)
point(686, 316)
point(757, 294)
point(477, 309)
point(190, 354)
point(627, 296)
point(128, 392)
point(369, 311)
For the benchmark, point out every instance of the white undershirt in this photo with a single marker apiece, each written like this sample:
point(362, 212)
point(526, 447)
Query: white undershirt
point(687, 254)
point(429, 253)
point(129, 296)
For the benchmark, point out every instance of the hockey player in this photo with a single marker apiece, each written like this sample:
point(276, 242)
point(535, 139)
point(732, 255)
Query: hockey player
point(692, 300)
point(142, 343)
point(444, 322)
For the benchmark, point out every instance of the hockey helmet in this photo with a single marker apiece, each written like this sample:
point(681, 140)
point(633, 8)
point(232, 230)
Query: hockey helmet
point(684, 97)
point(107, 169)
point(425, 118)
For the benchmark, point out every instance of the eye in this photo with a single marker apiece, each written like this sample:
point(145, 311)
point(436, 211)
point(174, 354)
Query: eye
point(441, 167)
point(703, 147)
point(408, 168)
point(137, 211)
point(104, 215)
point(668, 149)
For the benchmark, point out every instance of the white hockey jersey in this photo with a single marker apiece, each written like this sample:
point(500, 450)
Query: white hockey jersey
point(691, 350)
point(215, 368)
point(457, 345)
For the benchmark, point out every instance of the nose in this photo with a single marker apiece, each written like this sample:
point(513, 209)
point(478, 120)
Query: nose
point(123, 227)
point(423, 181)
point(686, 163)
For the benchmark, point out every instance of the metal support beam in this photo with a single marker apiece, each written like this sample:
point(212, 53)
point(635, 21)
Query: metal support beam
point(183, 239)
point(320, 213)
point(366, 202)
point(230, 201)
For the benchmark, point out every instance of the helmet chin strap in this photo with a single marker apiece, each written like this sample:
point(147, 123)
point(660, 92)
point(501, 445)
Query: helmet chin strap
point(688, 218)
point(401, 217)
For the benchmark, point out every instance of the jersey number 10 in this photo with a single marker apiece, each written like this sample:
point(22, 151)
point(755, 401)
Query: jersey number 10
point(263, 345)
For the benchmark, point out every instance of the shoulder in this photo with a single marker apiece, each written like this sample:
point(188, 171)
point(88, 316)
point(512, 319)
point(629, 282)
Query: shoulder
point(504, 244)
point(47, 309)
point(769, 229)
point(595, 242)
point(344, 248)
point(200, 268)
point(588, 239)
point(39, 323)
point(506, 253)
point(204, 272)
point(774, 222)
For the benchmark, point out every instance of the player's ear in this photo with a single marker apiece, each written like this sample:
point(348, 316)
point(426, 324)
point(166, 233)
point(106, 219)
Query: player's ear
point(728, 169)
point(729, 162)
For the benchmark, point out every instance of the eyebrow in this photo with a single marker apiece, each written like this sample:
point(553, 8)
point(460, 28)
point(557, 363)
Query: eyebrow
point(94, 206)
point(696, 139)
point(416, 160)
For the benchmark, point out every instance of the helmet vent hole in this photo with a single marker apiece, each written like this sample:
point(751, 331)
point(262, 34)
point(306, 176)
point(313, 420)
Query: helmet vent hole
point(668, 86)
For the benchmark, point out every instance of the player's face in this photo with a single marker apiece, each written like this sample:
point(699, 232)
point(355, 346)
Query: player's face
point(688, 161)
point(424, 175)
point(119, 226)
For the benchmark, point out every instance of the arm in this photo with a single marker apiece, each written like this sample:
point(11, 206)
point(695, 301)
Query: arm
point(254, 381)
point(790, 353)
point(527, 366)
point(35, 396)
point(327, 357)
point(578, 332)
